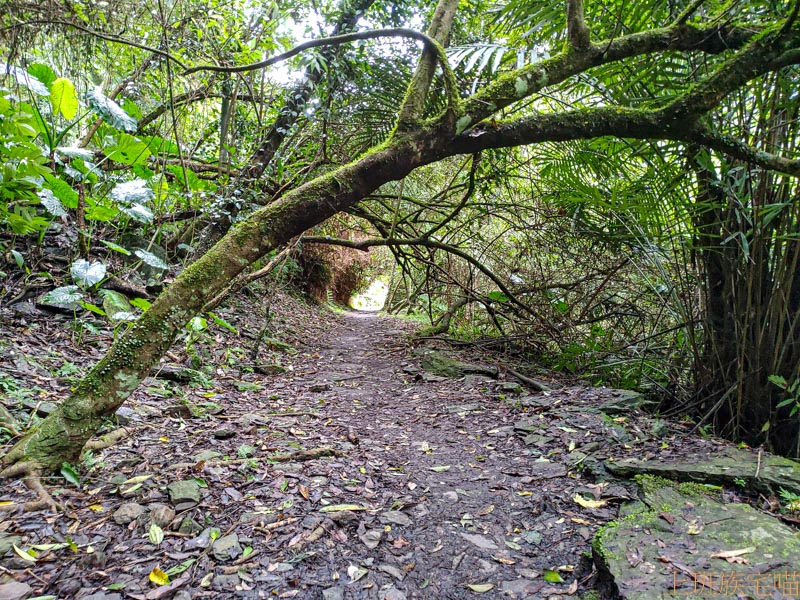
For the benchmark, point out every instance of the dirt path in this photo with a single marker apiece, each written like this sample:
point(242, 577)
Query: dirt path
point(445, 452)
point(447, 483)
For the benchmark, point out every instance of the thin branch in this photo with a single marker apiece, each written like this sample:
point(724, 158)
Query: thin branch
point(687, 14)
point(98, 34)
point(319, 43)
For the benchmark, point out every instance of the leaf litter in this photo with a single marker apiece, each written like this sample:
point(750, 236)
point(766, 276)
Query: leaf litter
point(344, 474)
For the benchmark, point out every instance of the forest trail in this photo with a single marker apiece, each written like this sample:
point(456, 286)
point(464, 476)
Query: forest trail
point(468, 508)
point(353, 474)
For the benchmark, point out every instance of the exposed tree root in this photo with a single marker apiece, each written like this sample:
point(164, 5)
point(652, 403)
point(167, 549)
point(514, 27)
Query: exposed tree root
point(109, 439)
point(30, 472)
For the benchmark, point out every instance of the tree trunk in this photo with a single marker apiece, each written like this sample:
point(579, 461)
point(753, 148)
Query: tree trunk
point(61, 436)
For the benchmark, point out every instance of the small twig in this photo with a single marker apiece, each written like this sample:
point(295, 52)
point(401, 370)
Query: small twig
point(758, 465)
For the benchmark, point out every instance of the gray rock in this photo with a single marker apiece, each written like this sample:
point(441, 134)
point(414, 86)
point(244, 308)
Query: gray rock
point(763, 473)
point(6, 541)
point(101, 596)
point(372, 538)
point(441, 365)
point(623, 401)
point(395, 517)
point(391, 593)
point(691, 528)
point(480, 541)
point(395, 572)
point(334, 593)
point(189, 526)
point(519, 588)
point(227, 547)
point(450, 497)
point(130, 511)
point(14, 590)
point(126, 415)
point(201, 541)
point(226, 583)
point(547, 470)
point(510, 387)
point(206, 455)
point(162, 515)
point(184, 491)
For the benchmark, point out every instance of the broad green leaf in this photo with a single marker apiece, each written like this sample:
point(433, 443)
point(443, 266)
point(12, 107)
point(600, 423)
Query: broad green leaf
point(155, 534)
point(128, 150)
point(18, 258)
point(497, 297)
point(43, 73)
point(138, 212)
point(87, 274)
point(70, 474)
point(180, 568)
point(141, 303)
point(116, 247)
point(74, 152)
point(64, 98)
point(132, 192)
point(223, 323)
point(151, 259)
point(115, 303)
point(51, 203)
point(62, 190)
point(110, 112)
point(159, 145)
point(26, 556)
point(24, 79)
point(93, 308)
point(551, 576)
point(63, 295)
point(197, 323)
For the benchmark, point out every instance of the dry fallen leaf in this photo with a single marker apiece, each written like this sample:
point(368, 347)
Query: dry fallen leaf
point(158, 576)
point(480, 587)
point(303, 491)
point(734, 556)
point(589, 503)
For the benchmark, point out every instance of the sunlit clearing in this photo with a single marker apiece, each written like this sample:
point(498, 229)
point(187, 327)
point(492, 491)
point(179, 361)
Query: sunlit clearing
point(373, 298)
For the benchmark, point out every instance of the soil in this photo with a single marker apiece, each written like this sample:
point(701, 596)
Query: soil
point(353, 474)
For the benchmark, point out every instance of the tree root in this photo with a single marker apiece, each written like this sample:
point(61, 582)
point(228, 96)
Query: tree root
point(109, 439)
point(30, 472)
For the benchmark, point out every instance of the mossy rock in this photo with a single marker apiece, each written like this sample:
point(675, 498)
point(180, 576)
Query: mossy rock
point(444, 366)
point(675, 545)
point(763, 473)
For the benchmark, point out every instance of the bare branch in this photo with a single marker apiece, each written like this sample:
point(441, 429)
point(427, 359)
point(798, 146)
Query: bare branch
point(99, 34)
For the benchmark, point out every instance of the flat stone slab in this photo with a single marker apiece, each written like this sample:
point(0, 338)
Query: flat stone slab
point(766, 474)
point(679, 544)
